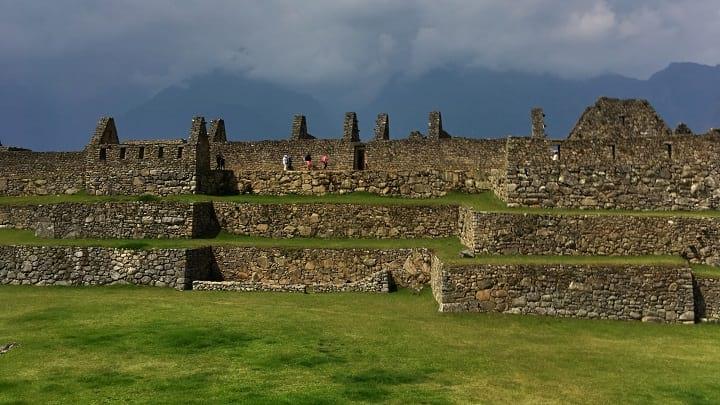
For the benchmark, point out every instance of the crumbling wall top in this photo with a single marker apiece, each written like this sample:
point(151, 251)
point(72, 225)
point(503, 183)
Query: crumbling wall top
point(612, 118)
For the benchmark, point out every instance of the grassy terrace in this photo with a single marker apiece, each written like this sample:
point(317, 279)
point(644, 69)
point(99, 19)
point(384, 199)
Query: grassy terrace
point(486, 201)
point(447, 249)
point(141, 345)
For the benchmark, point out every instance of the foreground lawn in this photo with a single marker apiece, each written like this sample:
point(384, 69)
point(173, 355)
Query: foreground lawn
point(485, 201)
point(147, 345)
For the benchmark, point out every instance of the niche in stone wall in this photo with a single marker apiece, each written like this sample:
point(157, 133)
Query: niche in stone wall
point(612, 151)
point(103, 153)
point(180, 152)
point(161, 152)
point(123, 151)
point(555, 151)
point(668, 148)
point(141, 153)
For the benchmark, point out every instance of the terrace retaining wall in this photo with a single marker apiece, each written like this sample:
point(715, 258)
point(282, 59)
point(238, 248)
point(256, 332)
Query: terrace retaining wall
point(121, 220)
point(695, 238)
point(647, 293)
point(707, 299)
point(61, 265)
point(322, 267)
point(337, 220)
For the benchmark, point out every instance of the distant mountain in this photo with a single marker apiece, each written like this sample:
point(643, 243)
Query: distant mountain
point(252, 109)
point(487, 103)
point(475, 102)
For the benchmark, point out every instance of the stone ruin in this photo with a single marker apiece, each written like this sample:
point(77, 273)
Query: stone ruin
point(620, 155)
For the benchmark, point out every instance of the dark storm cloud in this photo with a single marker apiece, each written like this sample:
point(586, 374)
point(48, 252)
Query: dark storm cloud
point(78, 46)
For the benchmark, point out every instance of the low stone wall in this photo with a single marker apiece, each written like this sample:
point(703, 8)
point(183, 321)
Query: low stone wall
point(337, 220)
point(123, 220)
point(647, 293)
point(417, 184)
point(321, 267)
point(379, 282)
point(707, 299)
point(247, 286)
point(696, 238)
point(60, 265)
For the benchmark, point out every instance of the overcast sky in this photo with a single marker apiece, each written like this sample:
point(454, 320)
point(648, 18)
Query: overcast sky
point(80, 46)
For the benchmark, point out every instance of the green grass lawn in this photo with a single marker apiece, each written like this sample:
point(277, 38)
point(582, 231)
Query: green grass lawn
point(485, 201)
point(149, 345)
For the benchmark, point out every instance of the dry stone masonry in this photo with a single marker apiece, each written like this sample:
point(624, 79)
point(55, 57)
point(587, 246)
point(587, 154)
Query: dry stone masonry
point(56, 265)
point(647, 293)
point(695, 238)
point(620, 155)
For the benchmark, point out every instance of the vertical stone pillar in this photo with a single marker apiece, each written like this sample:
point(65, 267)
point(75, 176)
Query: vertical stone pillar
point(198, 130)
point(537, 117)
point(382, 127)
point(217, 131)
point(351, 132)
point(299, 128)
point(435, 128)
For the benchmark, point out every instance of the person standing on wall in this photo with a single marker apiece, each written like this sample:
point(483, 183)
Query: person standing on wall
point(325, 160)
point(308, 161)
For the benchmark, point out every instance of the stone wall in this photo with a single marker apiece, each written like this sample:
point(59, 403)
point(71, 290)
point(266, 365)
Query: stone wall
point(377, 282)
point(337, 220)
point(464, 154)
point(707, 299)
point(614, 118)
point(121, 220)
point(41, 173)
point(267, 155)
point(695, 238)
point(672, 173)
point(415, 184)
point(58, 265)
point(647, 293)
point(148, 167)
point(321, 267)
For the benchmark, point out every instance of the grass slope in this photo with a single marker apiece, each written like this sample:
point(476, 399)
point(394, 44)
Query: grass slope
point(447, 249)
point(140, 345)
point(486, 201)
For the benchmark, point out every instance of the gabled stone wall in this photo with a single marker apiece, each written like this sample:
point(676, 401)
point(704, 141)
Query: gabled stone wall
point(674, 173)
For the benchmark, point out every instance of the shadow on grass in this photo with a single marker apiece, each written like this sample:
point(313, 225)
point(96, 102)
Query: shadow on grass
point(315, 355)
point(376, 385)
point(159, 337)
point(44, 315)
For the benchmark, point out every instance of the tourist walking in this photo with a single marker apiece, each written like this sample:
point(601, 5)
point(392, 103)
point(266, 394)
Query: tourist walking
point(308, 161)
point(325, 160)
point(286, 162)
